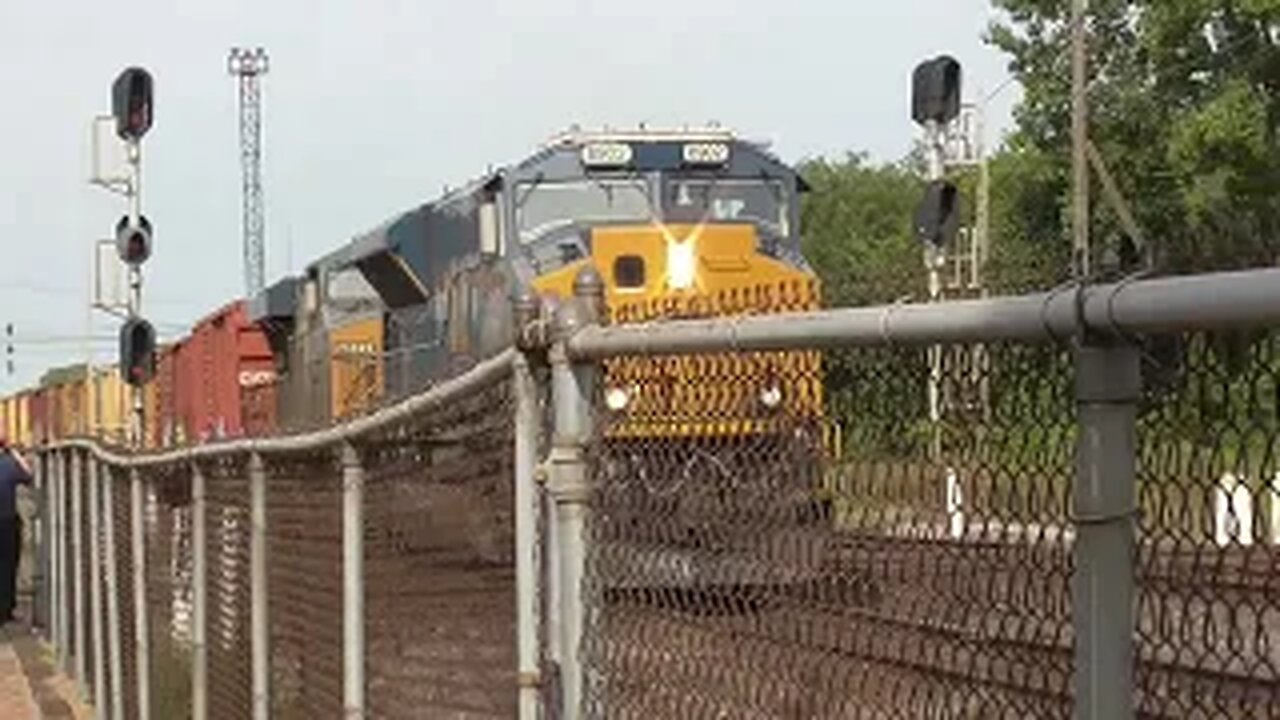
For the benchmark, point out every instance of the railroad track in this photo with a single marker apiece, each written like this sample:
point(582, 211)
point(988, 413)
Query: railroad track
point(989, 617)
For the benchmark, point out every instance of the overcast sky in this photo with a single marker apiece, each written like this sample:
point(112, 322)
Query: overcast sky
point(372, 105)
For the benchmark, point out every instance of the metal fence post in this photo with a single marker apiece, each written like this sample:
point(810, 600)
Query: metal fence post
point(258, 588)
point(39, 570)
point(77, 570)
point(141, 631)
point(100, 705)
point(1108, 384)
point(61, 536)
point(199, 597)
point(573, 391)
point(352, 583)
point(113, 590)
point(526, 498)
point(526, 517)
point(52, 498)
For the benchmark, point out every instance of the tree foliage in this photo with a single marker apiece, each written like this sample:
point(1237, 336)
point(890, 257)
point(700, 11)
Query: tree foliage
point(1184, 100)
point(857, 228)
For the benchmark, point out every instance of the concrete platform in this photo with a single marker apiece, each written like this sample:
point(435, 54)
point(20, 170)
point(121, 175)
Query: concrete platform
point(30, 686)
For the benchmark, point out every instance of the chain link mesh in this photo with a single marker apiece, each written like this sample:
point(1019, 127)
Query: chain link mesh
point(228, 528)
point(304, 584)
point(871, 533)
point(167, 533)
point(804, 541)
point(1209, 495)
point(120, 507)
point(900, 562)
point(439, 563)
point(84, 578)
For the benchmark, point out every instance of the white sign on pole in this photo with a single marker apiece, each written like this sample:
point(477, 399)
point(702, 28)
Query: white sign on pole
point(955, 505)
point(110, 291)
point(108, 162)
point(1273, 508)
point(1232, 512)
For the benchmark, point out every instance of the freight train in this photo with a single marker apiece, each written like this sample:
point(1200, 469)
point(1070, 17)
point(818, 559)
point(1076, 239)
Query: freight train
point(682, 222)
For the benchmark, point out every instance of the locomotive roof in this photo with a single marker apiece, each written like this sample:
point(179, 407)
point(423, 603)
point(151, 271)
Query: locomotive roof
point(560, 158)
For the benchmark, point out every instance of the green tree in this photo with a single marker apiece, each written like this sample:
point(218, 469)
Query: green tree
point(857, 229)
point(1184, 100)
point(1184, 107)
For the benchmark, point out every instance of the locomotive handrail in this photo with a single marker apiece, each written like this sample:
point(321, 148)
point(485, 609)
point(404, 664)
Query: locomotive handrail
point(1169, 304)
point(485, 373)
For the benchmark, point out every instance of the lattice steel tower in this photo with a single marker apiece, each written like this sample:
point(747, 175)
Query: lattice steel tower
point(248, 66)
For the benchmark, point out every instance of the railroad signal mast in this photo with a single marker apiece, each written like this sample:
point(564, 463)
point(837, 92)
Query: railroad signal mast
point(133, 109)
point(248, 66)
point(935, 102)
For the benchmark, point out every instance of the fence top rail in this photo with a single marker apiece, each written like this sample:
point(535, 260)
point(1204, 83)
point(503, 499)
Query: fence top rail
point(484, 374)
point(1171, 304)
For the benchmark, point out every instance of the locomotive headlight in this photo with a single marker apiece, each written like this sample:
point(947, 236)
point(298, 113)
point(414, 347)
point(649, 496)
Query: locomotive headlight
point(617, 399)
point(682, 263)
point(771, 396)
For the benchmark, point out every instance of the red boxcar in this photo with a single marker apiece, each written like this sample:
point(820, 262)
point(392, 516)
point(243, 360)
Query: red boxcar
point(165, 426)
point(225, 357)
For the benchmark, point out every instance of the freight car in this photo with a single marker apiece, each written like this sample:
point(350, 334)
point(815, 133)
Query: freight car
point(83, 403)
point(16, 413)
point(202, 380)
point(70, 401)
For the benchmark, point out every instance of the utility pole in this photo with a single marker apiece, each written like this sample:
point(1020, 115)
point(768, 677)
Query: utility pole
point(248, 66)
point(1079, 143)
point(982, 229)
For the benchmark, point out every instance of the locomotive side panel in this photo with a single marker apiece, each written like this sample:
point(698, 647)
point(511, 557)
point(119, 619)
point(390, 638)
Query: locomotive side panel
point(355, 367)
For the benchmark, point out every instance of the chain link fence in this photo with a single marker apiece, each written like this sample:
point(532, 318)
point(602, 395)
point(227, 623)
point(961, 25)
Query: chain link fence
point(1208, 618)
point(439, 563)
point(227, 538)
point(810, 543)
point(1035, 506)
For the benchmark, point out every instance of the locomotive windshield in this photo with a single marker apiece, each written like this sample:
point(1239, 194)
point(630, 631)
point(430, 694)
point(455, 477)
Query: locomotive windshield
point(762, 202)
point(548, 208)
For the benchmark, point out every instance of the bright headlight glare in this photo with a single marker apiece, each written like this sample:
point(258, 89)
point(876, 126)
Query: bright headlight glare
point(682, 264)
point(616, 399)
point(771, 397)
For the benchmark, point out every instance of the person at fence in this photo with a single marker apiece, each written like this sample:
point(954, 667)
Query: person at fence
point(14, 471)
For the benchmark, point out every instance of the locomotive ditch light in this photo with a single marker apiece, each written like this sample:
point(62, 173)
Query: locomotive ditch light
point(617, 399)
point(938, 215)
point(771, 396)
